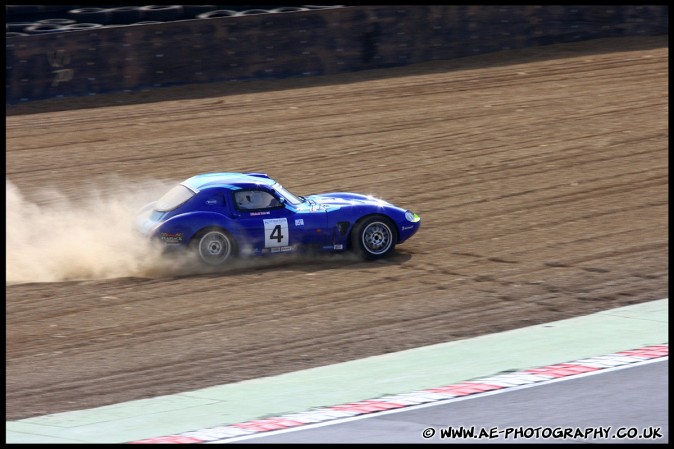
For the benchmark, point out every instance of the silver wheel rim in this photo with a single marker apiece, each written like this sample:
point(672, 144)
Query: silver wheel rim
point(377, 238)
point(214, 248)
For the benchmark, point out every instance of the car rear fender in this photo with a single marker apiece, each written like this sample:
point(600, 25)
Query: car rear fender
point(185, 226)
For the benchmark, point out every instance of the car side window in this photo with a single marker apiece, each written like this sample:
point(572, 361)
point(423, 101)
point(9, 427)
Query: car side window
point(255, 200)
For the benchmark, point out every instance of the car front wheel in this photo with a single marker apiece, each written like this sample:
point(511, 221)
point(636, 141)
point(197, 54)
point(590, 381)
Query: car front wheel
point(215, 247)
point(374, 237)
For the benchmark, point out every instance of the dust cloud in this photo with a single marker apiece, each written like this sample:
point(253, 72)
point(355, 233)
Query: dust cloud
point(54, 237)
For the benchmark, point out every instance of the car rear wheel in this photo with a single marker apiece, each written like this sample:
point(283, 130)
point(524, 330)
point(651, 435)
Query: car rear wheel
point(215, 247)
point(374, 237)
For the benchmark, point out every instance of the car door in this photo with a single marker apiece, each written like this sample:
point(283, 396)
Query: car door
point(273, 225)
point(267, 224)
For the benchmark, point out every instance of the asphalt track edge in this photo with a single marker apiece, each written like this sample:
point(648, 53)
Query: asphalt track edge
point(605, 332)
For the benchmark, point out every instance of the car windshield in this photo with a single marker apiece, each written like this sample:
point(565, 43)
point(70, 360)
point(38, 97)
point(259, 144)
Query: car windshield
point(292, 199)
point(173, 198)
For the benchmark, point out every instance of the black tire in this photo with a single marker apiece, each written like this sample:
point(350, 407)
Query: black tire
point(162, 13)
point(193, 11)
point(90, 15)
point(82, 26)
point(18, 27)
point(218, 13)
point(214, 247)
point(251, 12)
point(322, 6)
point(374, 237)
point(288, 9)
point(125, 15)
point(43, 28)
point(59, 22)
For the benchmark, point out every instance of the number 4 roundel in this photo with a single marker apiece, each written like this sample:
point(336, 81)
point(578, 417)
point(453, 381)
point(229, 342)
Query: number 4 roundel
point(275, 232)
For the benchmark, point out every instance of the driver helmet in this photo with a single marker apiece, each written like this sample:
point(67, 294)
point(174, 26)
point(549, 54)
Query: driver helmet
point(255, 199)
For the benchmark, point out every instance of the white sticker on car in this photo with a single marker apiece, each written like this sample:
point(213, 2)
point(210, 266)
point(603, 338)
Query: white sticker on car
point(276, 232)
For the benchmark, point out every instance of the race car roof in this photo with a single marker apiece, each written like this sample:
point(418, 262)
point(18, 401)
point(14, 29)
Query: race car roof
point(200, 182)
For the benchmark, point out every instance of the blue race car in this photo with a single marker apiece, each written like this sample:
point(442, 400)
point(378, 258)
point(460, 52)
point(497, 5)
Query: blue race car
point(220, 216)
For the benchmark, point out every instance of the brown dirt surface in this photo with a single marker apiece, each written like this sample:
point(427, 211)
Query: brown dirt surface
point(541, 176)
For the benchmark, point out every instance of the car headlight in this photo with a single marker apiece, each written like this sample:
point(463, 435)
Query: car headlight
point(410, 216)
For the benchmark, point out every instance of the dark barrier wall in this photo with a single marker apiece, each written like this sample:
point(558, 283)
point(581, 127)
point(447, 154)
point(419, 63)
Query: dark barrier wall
point(303, 43)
